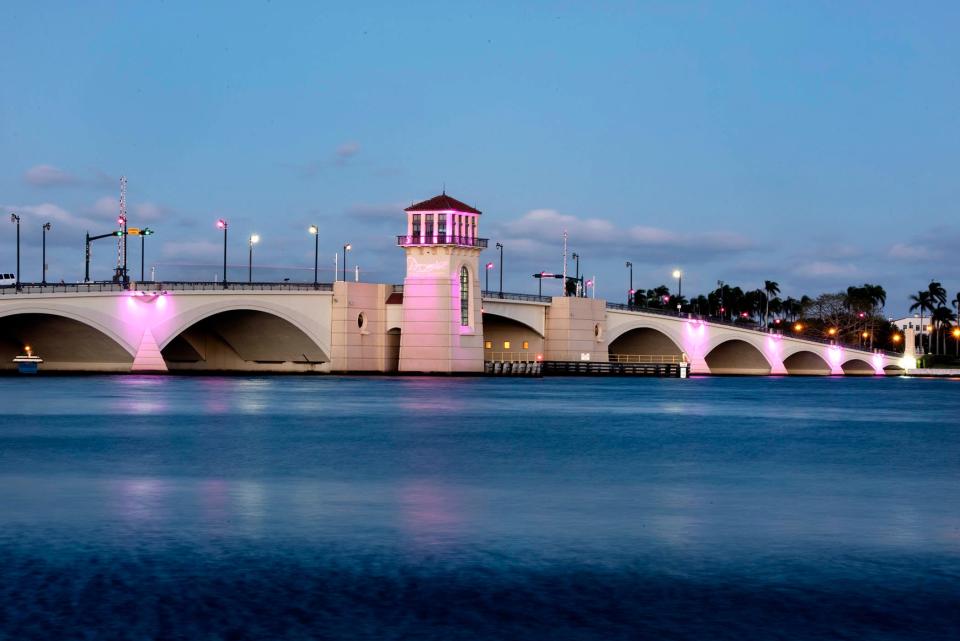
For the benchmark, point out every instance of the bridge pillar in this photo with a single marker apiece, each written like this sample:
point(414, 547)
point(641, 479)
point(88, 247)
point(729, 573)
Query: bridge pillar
point(574, 330)
point(148, 358)
point(358, 336)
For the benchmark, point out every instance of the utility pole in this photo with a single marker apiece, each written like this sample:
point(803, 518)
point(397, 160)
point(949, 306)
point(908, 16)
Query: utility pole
point(15, 219)
point(43, 278)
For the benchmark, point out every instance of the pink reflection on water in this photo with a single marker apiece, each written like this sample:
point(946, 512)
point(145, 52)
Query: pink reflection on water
point(429, 513)
point(141, 500)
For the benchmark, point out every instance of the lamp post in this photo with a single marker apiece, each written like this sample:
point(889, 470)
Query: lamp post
point(629, 266)
point(46, 228)
point(489, 267)
point(679, 276)
point(254, 239)
point(146, 231)
point(222, 224)
point(576, 258)
point(346, 247)
point(316, 252)
point(15, 219)
point(500, 249)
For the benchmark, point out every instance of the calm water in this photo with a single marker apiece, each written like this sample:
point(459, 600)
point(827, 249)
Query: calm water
point(430, 508)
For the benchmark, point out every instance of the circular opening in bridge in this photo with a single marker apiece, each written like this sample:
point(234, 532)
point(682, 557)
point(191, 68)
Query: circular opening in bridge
point(361, 320)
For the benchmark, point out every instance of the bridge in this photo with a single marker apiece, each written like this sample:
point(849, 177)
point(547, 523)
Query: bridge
point(359, 327)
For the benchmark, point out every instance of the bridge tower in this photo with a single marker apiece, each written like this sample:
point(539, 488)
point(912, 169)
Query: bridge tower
point(442, 316)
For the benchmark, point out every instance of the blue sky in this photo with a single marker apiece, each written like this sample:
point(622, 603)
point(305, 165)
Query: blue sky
point(811, 143)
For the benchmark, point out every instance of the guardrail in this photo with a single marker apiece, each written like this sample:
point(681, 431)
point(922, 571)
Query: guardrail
point(721, 321)
point(513, 296)
point(510, 357)
point(659, 359)
point(152, 286)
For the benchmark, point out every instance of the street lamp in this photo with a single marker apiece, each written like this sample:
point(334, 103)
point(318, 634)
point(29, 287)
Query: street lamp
point(347, 247)
point(146, 231)
point(222, 224)
point(629, 265)
point(500, 249)
point(316, 251)
point(576, 257)
point(489, 267)
point(46, 228)
point(15, 219)
point(679, 276)
point(254, 239)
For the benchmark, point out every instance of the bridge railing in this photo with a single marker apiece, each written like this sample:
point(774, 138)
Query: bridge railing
point(513, 296)
point(645, 358)
point(510, 357)
point(152, 286)
point(714, 320)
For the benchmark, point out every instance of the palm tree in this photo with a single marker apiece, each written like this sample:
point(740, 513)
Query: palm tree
point(922, 301)
point(771, 289)
point(941, 318)
point(937, 292)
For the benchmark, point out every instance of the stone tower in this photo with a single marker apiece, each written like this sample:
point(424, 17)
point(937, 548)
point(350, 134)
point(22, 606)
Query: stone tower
point(442, 316)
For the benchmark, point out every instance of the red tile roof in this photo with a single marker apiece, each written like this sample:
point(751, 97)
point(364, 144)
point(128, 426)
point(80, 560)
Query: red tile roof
point(443, 202)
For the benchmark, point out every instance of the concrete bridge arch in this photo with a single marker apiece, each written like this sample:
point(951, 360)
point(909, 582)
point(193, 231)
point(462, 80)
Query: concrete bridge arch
point(226, 333)
point(66, 337)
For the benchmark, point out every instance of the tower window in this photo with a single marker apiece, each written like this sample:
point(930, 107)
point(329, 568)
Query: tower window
point(464, 297)
point(416, 227)
point(429, 230)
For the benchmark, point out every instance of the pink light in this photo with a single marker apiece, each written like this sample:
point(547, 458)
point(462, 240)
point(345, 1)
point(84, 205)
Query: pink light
point(221, 224)
point(489, 265)
point(878, 363)
point(162, 302)
point(834, 356)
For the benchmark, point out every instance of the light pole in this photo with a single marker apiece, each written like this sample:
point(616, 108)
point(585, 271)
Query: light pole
point(254, 239)
point(316, 252)
point(46, 228)
point(222, 224)
point(576, 257)
point(146, 231)
point(679, 276)
point(500, 249)
point(15, 219)
point(346, 247)
point(489, 267)
point(629, 266)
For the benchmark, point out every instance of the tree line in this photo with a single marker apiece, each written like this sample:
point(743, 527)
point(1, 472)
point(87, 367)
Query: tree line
point(854, 316)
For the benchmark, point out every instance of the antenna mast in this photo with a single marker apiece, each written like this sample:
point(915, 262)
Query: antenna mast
point(121, 272)
point(564, 262)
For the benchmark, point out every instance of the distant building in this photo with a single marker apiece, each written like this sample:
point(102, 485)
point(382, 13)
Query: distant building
point(911, 322)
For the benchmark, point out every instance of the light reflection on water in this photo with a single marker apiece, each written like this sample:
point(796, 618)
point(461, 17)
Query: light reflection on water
point(707, 478)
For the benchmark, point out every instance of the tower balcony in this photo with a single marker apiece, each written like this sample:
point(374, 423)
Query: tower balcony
point(441, 239)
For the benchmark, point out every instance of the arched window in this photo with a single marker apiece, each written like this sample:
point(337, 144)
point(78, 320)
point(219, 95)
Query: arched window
point(464, 297)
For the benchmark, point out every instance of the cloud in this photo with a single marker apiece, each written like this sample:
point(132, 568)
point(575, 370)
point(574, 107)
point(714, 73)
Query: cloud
point(380, 213)
point(826, 269)
point(49, 176)
point(48, 212)
point(204, 250)
point(914, 253)
point(641, 243)
point(346, 151)
point(341, 157)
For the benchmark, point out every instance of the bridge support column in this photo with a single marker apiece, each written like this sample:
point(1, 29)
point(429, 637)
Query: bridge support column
point(699, 366)
point(574, 330)
point(148, 358)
